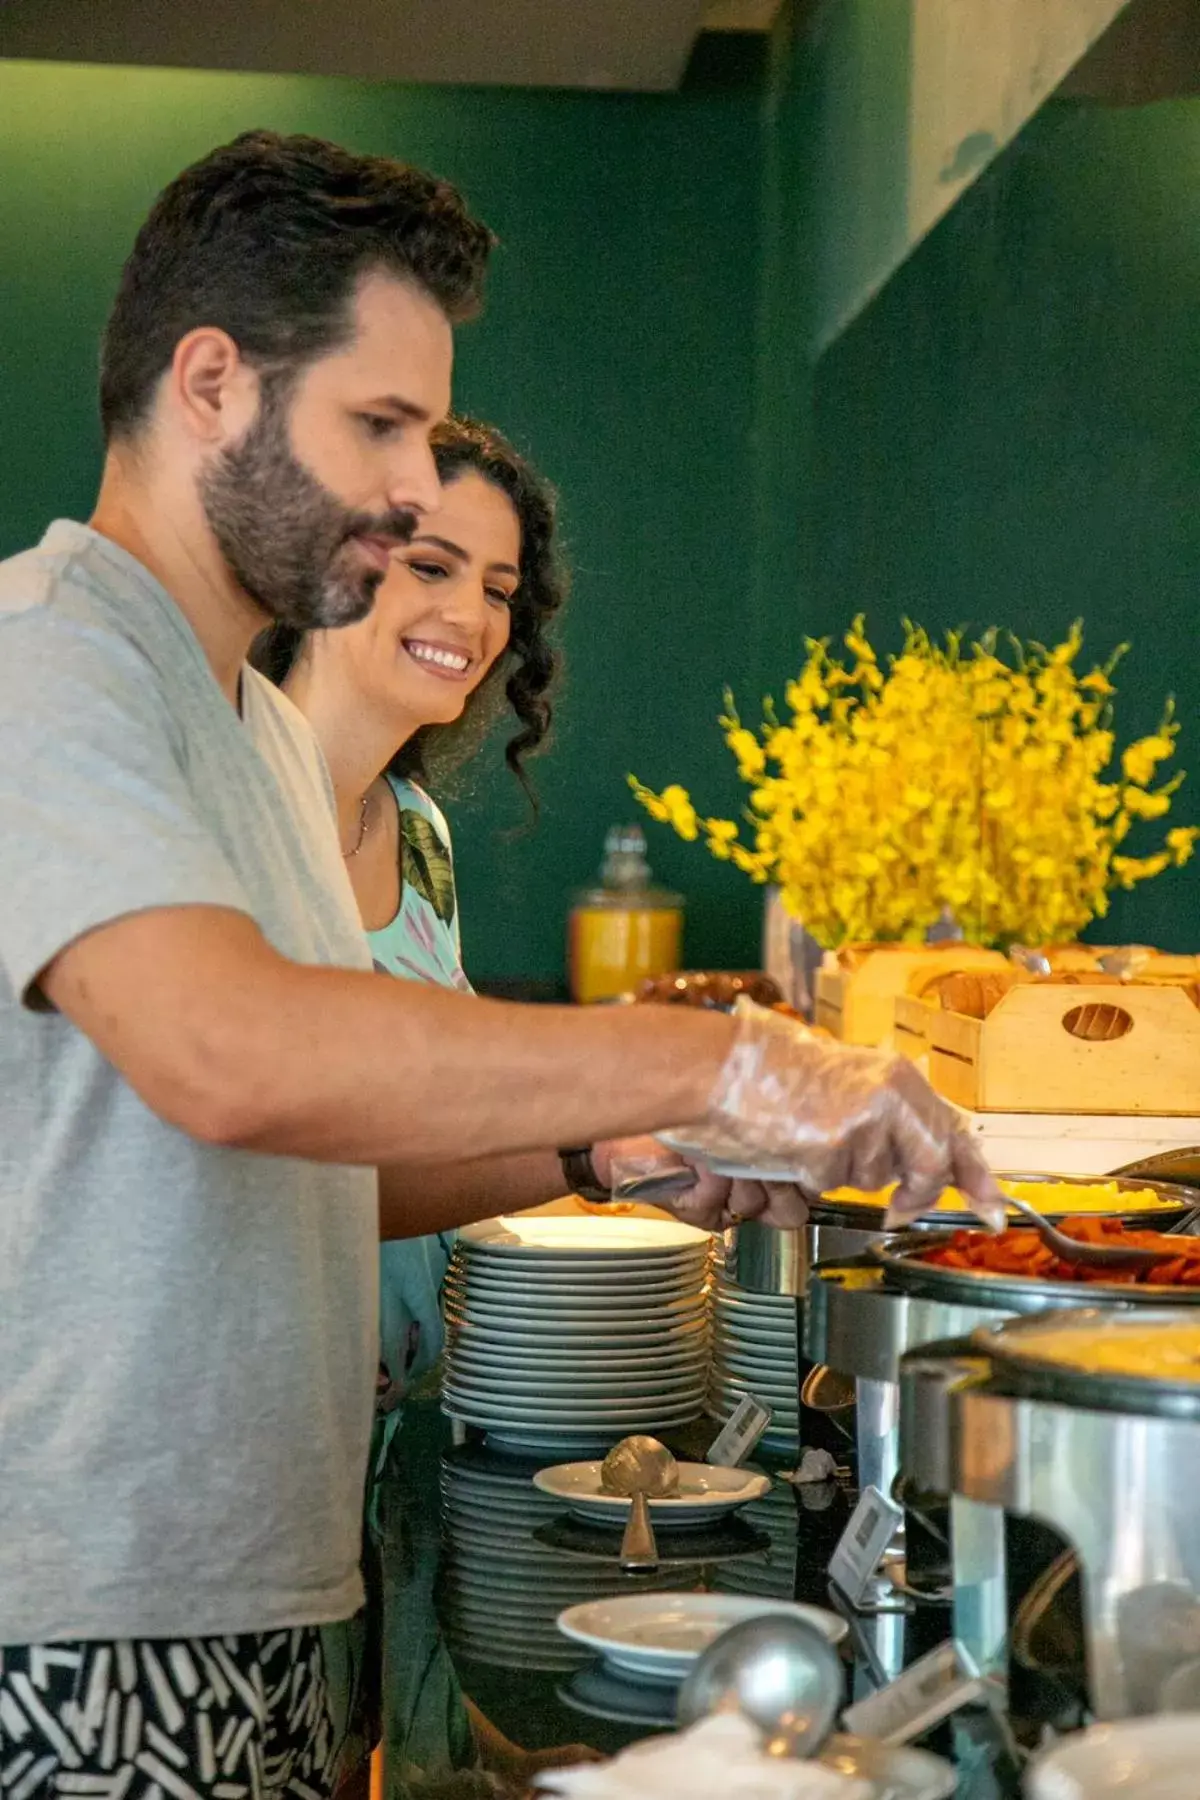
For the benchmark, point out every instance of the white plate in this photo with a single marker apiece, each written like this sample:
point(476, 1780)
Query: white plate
point(782, 1371)
point(780, 1395)
point(1138, 1759)
point(526, 1309)
point(705, 1491)
point(753, 1338)
point(661, 1636)
point(566, 1428)
point(688, 1286)
point(569, 1388)
point(553, 1363)
point(634, 1413)
point(624, 1337)
point(526, 1314)
point(775, 1311)
point(591, 1235)
point(527, 1441)
point(770, 1309)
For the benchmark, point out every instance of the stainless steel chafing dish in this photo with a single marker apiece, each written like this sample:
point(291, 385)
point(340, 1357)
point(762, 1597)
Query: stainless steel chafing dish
point(767, 1261)
point(866, 1311)
point(1011, 1424)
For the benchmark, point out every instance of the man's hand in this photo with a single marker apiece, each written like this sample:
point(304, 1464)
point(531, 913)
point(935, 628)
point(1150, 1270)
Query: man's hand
point(834, 1115)
point(712, 1202)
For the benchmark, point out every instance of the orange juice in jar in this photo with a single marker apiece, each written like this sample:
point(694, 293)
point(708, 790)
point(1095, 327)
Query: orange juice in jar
point(623, 930)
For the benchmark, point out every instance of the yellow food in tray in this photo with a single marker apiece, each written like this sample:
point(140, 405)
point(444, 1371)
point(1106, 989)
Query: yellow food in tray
point(1048, 1196)
point(1169, 1352)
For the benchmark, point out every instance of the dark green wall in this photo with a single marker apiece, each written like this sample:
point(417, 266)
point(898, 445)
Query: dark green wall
point(1011, 432)
point(1008, 433)
point(618, 347)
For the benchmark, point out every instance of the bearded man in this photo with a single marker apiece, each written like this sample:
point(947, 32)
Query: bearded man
point(205, 1091)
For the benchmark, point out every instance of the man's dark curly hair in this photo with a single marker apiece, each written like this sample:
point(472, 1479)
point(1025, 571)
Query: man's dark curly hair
point(267, 238)
point(524, 675)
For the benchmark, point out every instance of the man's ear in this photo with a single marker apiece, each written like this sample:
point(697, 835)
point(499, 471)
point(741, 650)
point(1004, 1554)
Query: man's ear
point(213, 391)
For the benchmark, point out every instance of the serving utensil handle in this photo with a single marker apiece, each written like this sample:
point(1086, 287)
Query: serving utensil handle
point(638, 1547)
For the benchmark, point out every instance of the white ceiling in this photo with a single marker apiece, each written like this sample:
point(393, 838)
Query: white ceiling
point(632, 44)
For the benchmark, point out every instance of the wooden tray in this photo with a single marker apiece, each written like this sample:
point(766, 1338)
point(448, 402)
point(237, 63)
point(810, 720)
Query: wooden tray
point(1028, 1056)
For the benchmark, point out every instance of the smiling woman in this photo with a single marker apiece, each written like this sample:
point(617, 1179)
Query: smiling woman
point(460, 624)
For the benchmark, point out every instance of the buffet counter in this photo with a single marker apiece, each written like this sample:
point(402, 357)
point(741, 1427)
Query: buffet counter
point(543, 1693)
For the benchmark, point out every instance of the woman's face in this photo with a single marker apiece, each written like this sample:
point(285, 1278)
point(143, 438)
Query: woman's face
point(441, 616)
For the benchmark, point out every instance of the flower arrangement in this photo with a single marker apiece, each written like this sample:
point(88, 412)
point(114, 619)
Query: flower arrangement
point(980, 777)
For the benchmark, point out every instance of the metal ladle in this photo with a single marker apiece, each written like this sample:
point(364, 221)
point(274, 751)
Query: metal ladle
point(1099, 1256)
point(639, 1467)
point(780, 1672)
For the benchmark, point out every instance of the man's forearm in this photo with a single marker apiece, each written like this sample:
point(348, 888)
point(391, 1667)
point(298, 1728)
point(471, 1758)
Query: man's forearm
point(369, 1070)
point(237, 1045)
point(415, 1199)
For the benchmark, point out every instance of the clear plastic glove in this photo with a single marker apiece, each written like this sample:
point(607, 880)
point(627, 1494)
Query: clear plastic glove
point(696, 1196)
point(833, 1115)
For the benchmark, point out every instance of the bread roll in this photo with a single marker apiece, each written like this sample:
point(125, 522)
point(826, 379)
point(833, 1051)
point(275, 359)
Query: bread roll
point(973, 994)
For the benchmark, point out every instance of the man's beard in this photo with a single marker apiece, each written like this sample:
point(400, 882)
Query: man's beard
point(286, 538)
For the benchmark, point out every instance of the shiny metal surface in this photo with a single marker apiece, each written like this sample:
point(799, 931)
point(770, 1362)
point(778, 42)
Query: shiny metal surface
point(1119, 1486)
point(858, 1324)
point(928, 1378)
point(1122, 1490)
point(877, 1434)
point(781, 1673)
point(1168, 1165)
point(767, 1261)
point(1096, 1256)
point(638, 1466)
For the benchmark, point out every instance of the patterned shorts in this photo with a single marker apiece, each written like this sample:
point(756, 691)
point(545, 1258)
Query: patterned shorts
point(228, 1718)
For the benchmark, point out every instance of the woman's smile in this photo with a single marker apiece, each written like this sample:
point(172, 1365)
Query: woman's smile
point(444, 661)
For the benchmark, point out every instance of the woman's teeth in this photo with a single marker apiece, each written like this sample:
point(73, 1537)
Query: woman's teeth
point(439, 659)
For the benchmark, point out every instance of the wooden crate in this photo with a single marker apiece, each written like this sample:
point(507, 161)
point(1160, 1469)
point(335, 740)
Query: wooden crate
point(859, 1005)
point(910, 1031)
point(1026, 1057)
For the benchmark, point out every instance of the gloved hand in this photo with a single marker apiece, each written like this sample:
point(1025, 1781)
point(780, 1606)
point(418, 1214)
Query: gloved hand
point(632, 1167)
point(833, 1115)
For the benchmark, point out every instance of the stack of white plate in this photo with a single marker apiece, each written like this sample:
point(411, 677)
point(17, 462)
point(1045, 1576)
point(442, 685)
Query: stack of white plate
point(501, 1590)
point(569, 1332)
point(755, 1351)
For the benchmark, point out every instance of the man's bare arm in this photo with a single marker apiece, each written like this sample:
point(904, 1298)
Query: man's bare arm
point(416, 1198)
point(236, 1045)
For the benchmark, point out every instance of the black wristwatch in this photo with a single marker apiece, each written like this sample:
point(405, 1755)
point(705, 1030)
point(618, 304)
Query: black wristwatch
point(581, 1176)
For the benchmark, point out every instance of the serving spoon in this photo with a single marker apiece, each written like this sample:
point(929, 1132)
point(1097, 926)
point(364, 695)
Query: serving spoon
point(780, 1672)
point(637, 1467)
point(1073, 1250)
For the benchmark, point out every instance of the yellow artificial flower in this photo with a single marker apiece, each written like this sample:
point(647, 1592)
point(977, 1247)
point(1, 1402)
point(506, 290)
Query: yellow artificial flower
point(1146, 806)
point(751, 758)
point(1142, 759)
point(953, 777)
point(1181, 842)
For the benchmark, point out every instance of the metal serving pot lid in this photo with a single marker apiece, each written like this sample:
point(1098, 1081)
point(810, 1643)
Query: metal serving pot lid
point(1130, 1361)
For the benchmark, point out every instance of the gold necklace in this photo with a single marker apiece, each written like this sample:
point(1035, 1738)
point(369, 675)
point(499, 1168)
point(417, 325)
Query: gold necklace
point(362, 831)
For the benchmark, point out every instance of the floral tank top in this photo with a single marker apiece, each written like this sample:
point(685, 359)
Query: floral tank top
point(420, 944)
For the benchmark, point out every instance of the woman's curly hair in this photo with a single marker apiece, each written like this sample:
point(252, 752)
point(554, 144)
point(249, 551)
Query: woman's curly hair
point(525, 673)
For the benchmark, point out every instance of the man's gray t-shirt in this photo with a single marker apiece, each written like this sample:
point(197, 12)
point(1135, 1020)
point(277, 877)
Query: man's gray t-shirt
point(188, 1334)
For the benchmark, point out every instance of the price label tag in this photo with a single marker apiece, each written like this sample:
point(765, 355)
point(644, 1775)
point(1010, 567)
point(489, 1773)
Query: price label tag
point(741, 1431)
point(871, 1529)
point(928, 1691)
